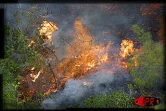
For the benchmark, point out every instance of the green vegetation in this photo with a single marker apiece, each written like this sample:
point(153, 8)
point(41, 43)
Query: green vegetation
point(148, 76)
point(150, 61)
point(117, 99)
point(160, 107)
point(9, 84)
point(12, 66)
point(19, 58)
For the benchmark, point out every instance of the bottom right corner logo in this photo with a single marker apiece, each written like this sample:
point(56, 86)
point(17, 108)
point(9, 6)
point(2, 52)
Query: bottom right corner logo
point(146, 101)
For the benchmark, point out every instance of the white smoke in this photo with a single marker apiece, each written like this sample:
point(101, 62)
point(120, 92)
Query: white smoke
point(75, 91)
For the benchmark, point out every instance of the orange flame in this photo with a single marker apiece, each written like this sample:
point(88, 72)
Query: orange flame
point(47, 28)
point(104, 58)
point(50, 90)
point(127, 47)
point(84, 55)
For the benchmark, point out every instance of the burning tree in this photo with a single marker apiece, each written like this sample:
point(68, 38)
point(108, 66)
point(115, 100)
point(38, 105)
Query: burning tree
point(81, 55)
point(23, 55)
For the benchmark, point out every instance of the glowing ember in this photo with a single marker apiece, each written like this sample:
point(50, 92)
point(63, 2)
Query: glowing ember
point(126, 48)
point(104, 58)
point(87, 83)
point(50, 90)
point(35, 76)
point(30, 44)
point(32, 68)
point(47, 29)
point(91, 65)
point(124, 64)
point(135, 62)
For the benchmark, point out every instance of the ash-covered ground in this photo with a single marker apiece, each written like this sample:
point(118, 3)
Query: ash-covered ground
point(105, 22)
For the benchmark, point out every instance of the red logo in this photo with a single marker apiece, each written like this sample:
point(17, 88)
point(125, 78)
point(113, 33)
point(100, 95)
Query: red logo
point(146, 101)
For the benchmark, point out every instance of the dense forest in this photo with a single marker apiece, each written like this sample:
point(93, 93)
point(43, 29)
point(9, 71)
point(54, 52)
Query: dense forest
point(37, 66)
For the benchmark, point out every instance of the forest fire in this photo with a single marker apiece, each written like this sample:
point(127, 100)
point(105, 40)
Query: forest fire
point(82, 56)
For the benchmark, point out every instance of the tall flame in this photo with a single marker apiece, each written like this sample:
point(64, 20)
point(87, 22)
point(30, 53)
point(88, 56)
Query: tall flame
point(81, 55)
